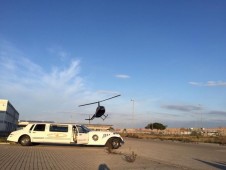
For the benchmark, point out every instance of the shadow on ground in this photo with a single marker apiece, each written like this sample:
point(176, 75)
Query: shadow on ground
point(219, 165)
point(103, 167)
point(51, 144)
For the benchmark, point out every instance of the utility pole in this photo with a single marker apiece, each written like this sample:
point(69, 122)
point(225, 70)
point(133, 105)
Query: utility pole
point(201, 116)
point(133, 111)
point(89, 119)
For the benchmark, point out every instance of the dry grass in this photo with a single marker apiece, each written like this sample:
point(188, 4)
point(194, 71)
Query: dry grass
point(127, 157)
point(130, 157)
point(182, 138)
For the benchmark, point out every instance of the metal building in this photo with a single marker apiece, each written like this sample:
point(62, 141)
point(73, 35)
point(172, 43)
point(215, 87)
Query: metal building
point(8, 117)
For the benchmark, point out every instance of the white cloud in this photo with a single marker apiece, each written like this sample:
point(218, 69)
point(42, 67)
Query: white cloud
point(209, 83)
point(54, 95)
point(215, 83)
point(122, 76)
point(107, 92)
point(217, 113)
point(195, 83)
point(185, 108)
point(36, 93)
point(59, 52)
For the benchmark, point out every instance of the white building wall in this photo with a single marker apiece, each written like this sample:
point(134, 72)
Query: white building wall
point(8, 117)
point(3, 104)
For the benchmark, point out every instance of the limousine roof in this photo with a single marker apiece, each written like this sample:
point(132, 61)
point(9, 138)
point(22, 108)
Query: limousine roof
point(25, 122)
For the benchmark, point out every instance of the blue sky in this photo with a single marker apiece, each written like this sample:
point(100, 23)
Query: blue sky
point(168, 56)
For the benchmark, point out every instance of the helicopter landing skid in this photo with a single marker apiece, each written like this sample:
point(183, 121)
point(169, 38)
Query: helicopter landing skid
point(105, 116)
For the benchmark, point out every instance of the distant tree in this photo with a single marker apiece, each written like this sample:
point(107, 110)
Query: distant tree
point(124, 131)
point(111, 129)
point(156, 125)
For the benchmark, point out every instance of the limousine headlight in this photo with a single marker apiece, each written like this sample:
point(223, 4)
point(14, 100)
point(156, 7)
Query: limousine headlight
point(11, 134)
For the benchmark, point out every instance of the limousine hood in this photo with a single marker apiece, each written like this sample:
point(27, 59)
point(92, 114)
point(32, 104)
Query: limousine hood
point(13, 136)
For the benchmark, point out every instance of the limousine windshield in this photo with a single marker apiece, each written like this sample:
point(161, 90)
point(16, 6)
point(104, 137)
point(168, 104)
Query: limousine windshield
point(83, 129)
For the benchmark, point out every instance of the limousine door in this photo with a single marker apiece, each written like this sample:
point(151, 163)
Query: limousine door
point(38, 133)
point(58, 133)
point(82, 136)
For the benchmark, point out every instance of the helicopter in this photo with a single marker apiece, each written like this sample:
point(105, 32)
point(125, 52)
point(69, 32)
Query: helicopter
point(100, 110)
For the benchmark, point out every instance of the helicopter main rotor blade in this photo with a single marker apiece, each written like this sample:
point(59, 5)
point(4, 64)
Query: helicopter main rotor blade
point(88, 104)
point(110, 98)
point(100, 101)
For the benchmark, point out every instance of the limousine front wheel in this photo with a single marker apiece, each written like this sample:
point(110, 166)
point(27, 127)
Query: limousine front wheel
point(25, 140)
point(113, 143)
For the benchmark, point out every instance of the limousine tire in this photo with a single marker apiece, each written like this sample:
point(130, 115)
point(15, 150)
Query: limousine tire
point(113, 143)
point(25, 140)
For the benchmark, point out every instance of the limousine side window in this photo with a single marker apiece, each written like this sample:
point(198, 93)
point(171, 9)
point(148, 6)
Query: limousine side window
point(40, 127)
point(58, 128)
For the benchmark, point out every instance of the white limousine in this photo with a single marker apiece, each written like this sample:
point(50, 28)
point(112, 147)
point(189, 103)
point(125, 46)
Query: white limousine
point(64, 134)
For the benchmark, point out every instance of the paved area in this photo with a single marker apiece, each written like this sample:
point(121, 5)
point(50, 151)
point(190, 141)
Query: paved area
point(70, 157)
point(150, 155)
point(187, 155)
